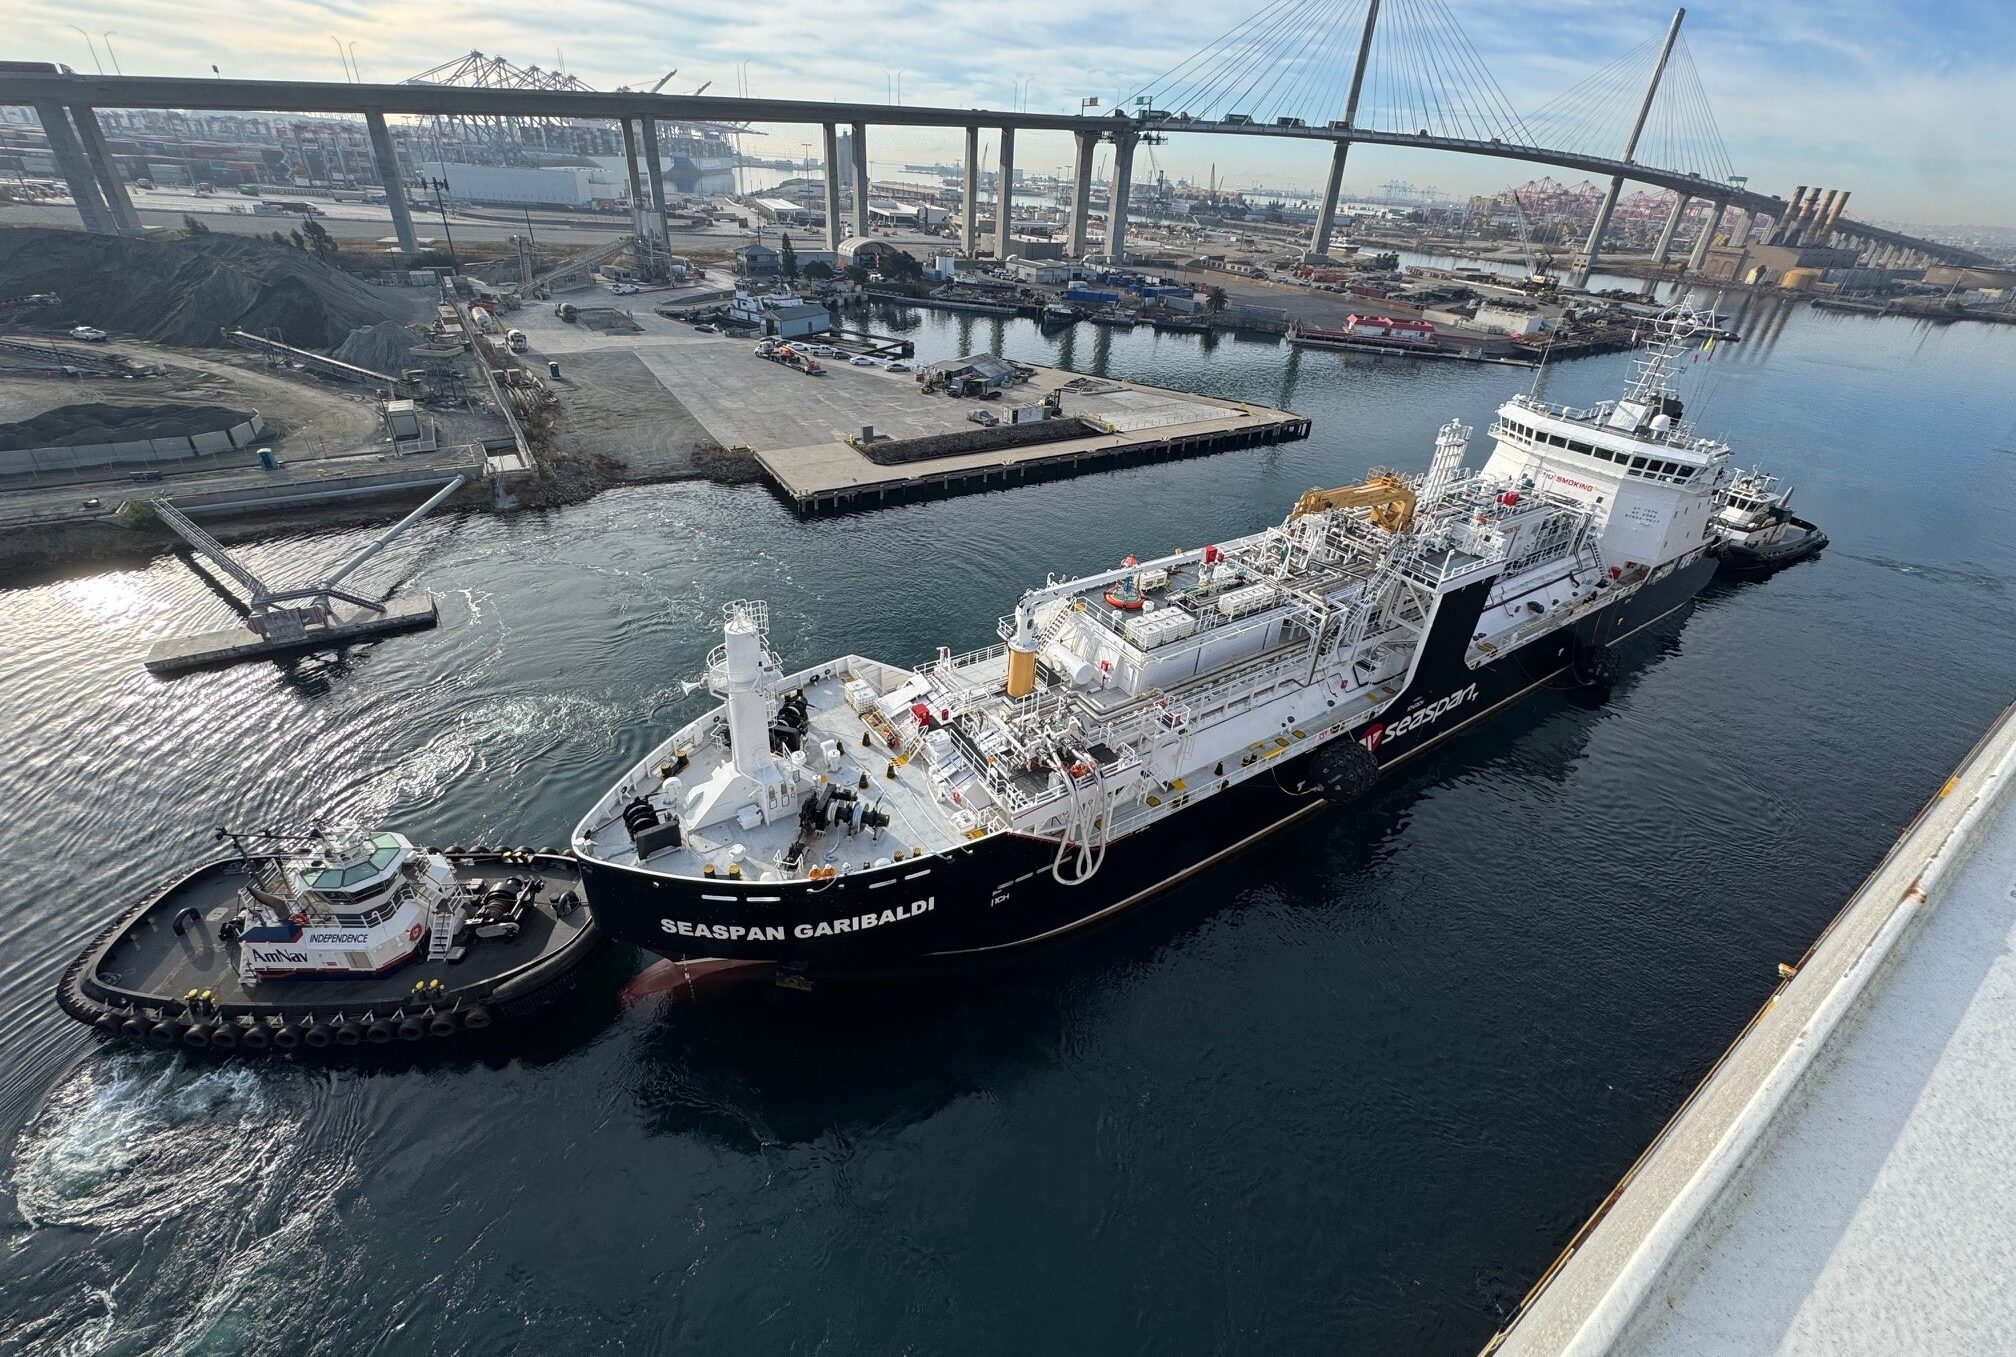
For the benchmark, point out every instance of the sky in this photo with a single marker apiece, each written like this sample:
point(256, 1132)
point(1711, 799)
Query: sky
point(1908, 105)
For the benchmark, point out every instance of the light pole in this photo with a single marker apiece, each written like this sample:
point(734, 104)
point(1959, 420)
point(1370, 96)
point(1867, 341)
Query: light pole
point(1022, 91)
point(893, 80)
point(355, 70)
point(110, 53)
point(88, 43)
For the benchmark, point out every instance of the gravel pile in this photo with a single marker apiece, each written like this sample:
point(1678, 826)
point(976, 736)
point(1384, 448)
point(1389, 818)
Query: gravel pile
point(184, 292)
point(78, 426)
point(386, 347)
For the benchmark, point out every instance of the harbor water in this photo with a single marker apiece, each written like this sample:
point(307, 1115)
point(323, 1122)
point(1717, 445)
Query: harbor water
point(1347, 1093)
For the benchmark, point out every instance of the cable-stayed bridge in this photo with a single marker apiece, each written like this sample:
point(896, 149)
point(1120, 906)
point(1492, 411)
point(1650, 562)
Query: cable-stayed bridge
point(1341, 73)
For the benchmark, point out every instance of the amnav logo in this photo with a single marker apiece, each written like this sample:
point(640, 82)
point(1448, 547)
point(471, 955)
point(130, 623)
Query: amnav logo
point(1375, 736)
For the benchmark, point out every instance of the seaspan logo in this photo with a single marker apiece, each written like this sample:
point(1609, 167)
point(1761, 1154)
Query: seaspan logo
point(1375, 736)
point(825, 928)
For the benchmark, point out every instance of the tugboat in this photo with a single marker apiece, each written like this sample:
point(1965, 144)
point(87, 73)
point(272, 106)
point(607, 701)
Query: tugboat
point(328, 940)
point(1136, 726)
point(1759, 533)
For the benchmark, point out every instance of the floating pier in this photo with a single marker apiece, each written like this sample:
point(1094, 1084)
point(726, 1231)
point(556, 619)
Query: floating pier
point(283, 621)
point(208, 649)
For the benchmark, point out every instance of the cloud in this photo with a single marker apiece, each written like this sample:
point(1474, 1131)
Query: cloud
point(1900, 102)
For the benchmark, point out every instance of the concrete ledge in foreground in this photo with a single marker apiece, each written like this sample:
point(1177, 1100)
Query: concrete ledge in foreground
point(1843, 1181)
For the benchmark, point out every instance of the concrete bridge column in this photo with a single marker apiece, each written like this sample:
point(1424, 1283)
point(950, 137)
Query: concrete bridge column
point(661, 239)
point(1123, 187)
point(394, 181)
point(1081, 194)
point(109, 183)
point(969, 208)
point(1326, 211)
point(75, 168)
point(1700, 255)
point(636, 183)
point(1665, 244)
point(1739, 234)
point(1004, 197)
point(836, 230)
point(860, 179)
point(1592, 248)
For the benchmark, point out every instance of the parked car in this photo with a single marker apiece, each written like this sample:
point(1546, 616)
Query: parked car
point(899, 366)
point(987, 417)
point(622, 289)
point(705, 329)
point(89, 334)
point(863, 361)
point(94, 503)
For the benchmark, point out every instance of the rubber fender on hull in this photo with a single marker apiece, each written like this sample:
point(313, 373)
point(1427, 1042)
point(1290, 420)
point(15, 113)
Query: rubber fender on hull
point(1596, 666)
point(287, 1038)
point(197, 1037)
point(223, 1035)
point(1345, 770)
point(349, 1034)
point(442, 1026)
point(166, 1031)
point(477, 1018)
point(317, 1036)
point(412, 1029)
point(256, 1037)
point(380, 1033)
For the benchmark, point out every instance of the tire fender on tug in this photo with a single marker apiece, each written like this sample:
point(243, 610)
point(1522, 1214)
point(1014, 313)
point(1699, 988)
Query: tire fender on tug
point(1344, 770)
point(316, 1035)
point(166, 1030)
point(442, 1025)
point(412, 1029)
point(288, 1037)
point(349, 1034)
point(223, 1034)
point(477, 1018)
point(1596, 666)
point(256, 1037)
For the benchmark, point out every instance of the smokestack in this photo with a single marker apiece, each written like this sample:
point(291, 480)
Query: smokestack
point(1840, 206)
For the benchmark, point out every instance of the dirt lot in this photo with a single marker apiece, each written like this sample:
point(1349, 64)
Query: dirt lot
point(611, 403)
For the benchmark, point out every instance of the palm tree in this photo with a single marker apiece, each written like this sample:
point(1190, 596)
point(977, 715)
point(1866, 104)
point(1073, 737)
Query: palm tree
point(1214, 300)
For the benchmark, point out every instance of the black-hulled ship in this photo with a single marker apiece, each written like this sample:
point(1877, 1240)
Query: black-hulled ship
point(329, 941)
point(1138, 725)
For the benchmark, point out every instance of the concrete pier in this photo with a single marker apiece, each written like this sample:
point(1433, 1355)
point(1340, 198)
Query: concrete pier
point(860, 149)
point(836, 229)
point(75, 168)
point(1840, 1183)
point(1081, 195)
point(636, 180)
point(92, 136)
point(654, 223)
point(229, 645)
point(969, 207)
point(1706, 238)
point(1117, 199)
point(394, 181)
point(1004, 197)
